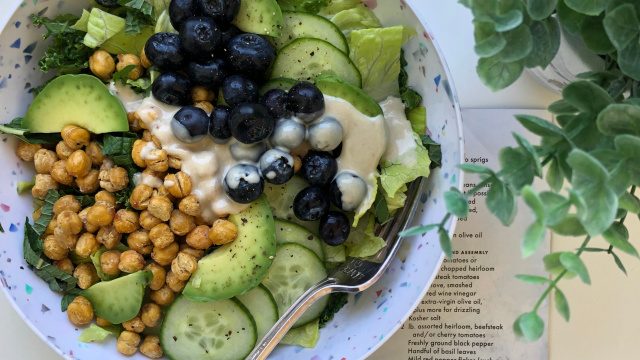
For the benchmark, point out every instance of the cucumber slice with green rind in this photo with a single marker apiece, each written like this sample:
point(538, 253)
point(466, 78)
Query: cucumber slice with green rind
point(278, 83)
point(302, 25)
point(290, 233)
point(220, 330)
point(306, 58)
point(118, 300)
point(262, 307)
point(280, 198)
point(355, 96)
point(262, 17)
point(295, 269)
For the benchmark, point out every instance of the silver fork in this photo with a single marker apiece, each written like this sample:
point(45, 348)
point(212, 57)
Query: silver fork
point(353, 276)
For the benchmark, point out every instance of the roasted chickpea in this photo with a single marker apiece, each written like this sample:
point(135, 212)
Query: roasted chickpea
point(204, 105)
point(78, 163)
point(160, 207)
point(146, 135)
point(134, 121)
point(90, 228)
point(196, 253)
point(66, 203)
point(102, 322)
point(89, 183)
point(125, 60)
point(44, 183)
point(156, 142)
point(223, 232)
point(86, 275)
point(161, 236)
point(101, 214)
point(139, 241)
point(157, 160)
point(109, 262)
point(80, 311)
point(162, 191)
point(178, 184)
point(131, 261)
point(65, 265)
point(43, 161)
point(102, 65)
point(198, 238)
point(183, 266)
point(126, 221)
point(75, 137)
point(163, 296)
point(127, 343)
point(164, 256)
point(95, 153)
point(134, 325)
point(114, 179)
point(63, 151)
point(201, 93)
point(176, 285)
point(190, 205)
point(69, 222)
point(140, 197)
point(151, 348)
point(51, 227)
point(181, 223)
point(136, 153)
point(148, 221)
point(60, 174)
point(175, 163)
point(106, 197)
point(150, 314)
point(54, 249)
point(297, 164)
point(26, 151)
point(144, 60)
point(109, 237)
point(87, 245)
point(66, 239)
point(158, 276)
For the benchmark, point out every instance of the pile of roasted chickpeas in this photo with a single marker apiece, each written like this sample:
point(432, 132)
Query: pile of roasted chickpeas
point(161, 230)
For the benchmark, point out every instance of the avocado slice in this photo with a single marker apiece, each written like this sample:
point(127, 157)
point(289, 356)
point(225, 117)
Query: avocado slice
point(81, 100)
point(239, 266)
point(119, 300)
point(262, 17)
point(355, 96)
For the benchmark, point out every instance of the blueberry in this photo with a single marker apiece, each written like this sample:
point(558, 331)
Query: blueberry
point(164, 51)
point(222, 11)
point(310, 204)
point(251, 123)
point(243, 183)
point(179, 11)
point(190, 124)
point(306, 101)
point(228, 34)
point(237, 89)
point(208, 73)
point(319, 168)
point(247, 152)
point(200, 37)
point(219, 123)
point(172, 88)
point(325, 135)
point(347, 191)
point(108, 3)
point(250, 54)
point(288, 134)
point(276, 166)
point(334, 228)
point(277, 100)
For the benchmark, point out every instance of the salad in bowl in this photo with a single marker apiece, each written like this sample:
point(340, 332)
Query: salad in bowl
point(199, 164)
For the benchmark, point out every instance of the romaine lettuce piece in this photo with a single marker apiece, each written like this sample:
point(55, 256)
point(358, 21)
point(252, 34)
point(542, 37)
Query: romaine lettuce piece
point(367, 202)
point(94, 333)
point(101, 27)
point(335, 6)
point(359, 17)
point(308, 6)
point(83, 22)
point(408, 167)
point(163, 24)
point(305, 336)
point(159, 6)
point(396, 202)
point(123, 43)
point(334, 254)
point(418, 119)
point(362, 241)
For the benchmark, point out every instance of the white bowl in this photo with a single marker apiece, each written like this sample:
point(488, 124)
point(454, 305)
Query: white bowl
point(369, 318)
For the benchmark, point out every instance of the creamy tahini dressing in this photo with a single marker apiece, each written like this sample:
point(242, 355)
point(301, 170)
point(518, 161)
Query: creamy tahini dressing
point(401, 143)
point(129, 98)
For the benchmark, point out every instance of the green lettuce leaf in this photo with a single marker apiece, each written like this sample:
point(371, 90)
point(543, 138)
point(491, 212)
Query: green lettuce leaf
point(335, 6)
point(367, 202)
point(163, 24)
point(418, 119)
point(160, 6)
point(334, 254)
point(94, 333)
point(396, 202)
point(305, 336)
point(376, 53)
point(362, 241)
point(308, 6)
point(396, 173)
point(359, 17)
point(83, 23)
point(123, 43)
point(101, 27)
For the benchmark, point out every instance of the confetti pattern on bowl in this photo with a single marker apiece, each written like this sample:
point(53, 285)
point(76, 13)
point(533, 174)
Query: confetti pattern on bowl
point(362, 326)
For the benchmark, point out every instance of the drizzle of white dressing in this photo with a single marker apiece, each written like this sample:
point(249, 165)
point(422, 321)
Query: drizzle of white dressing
point(205, 161)
point(129, 98)
point(401, 139)
point(147, 179)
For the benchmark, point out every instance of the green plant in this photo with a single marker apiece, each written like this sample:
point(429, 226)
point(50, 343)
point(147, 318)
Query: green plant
point(589, 160)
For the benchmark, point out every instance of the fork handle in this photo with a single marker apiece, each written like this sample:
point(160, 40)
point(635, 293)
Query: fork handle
point(278, 331)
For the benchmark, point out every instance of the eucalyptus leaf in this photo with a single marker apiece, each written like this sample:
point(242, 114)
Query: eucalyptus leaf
point(527, 148)
point(518, 167)
point(554, 176)
point(556, 206)
point(445, 242)
point(533, 238)
point(595, 37)
point(533, 200)
point(533, 279)
point(505, 15)
point(488, 41)
point(476, 169)
point(569, 226)
point(496, 74)
point(618, 237)
point(418, 230)
point(541, 9)
point(562, 107)
point(587, 96)
point(552, 263)
point(546, 42)
point(570, 19)
point(529, 326)
point(629, 203)
point(622, 25)
point(574, 264)
point(619, 119)
point(619, 263)
point(540, 127)
point(588, 7)
point(629, 59)
point(519, 44)
point(456, 203)
point(562, 305)
point(501, 202)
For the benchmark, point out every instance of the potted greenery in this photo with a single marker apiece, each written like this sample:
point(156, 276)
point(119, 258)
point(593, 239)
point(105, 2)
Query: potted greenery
point(589, 160)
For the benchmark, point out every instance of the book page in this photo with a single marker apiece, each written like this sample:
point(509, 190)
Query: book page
point(470, 308)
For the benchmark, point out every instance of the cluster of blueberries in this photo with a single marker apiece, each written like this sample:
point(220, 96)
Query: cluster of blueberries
point(209, 51)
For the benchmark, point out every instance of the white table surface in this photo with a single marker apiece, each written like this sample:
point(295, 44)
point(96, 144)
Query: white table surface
point(602, 325)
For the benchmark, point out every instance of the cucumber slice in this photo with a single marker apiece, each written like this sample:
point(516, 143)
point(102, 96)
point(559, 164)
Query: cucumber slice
point(220, 330)
point(290, 233)
point(280, 198)
point(118, 300)
point(279, 83)
point(262, 307)
point(305, 336)
point(355, 96)
point(262, 17)
point(305, 59)
point(294, 270)
point(302, 25)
